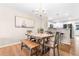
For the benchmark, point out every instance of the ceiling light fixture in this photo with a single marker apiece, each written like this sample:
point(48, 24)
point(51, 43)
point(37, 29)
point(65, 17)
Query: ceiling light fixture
point(41, 13)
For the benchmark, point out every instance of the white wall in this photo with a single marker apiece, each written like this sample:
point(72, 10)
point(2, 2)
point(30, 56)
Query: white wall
point(8, 32)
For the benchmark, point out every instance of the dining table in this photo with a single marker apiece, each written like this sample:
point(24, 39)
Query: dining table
point(40, 36)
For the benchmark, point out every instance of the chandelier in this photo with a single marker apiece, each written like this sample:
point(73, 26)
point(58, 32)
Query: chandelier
point(41, 14)
point(40, 11)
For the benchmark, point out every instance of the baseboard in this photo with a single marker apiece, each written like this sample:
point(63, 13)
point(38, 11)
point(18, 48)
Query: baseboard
point(10, 44)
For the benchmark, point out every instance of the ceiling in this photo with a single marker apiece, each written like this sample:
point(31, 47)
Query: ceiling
point(55, 11)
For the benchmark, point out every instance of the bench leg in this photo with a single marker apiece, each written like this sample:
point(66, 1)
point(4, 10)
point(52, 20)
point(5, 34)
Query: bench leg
point(21, 45)
point(30, 54)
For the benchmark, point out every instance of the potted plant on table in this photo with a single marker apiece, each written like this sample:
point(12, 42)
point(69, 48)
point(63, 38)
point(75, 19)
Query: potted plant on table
point(40, 30)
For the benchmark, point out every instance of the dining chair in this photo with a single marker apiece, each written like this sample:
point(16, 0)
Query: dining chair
point(30, 37)
point(47, 39)
point(53, 44)
point(32, 46)
point(61, 37)
point(49, 32)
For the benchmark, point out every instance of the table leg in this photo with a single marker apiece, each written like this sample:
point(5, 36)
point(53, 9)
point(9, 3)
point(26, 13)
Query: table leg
point(43, 47)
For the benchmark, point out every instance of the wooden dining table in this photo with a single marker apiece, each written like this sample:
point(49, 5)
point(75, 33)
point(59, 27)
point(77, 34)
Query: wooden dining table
point(41, 36)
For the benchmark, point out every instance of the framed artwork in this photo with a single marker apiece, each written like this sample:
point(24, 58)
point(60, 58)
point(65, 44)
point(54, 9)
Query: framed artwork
point(77, 27)
point(23, 22)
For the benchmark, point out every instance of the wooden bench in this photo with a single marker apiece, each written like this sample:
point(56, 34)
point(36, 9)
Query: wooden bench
point(31, 45)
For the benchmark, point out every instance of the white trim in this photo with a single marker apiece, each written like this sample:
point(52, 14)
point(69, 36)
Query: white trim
point(10, 44)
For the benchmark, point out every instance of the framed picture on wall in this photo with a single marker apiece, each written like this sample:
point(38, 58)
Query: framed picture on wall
point(77, 27)
point(23, 22)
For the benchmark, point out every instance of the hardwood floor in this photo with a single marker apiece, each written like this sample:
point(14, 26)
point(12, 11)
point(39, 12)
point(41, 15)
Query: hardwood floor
point(65, 50)
point(15, 50)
